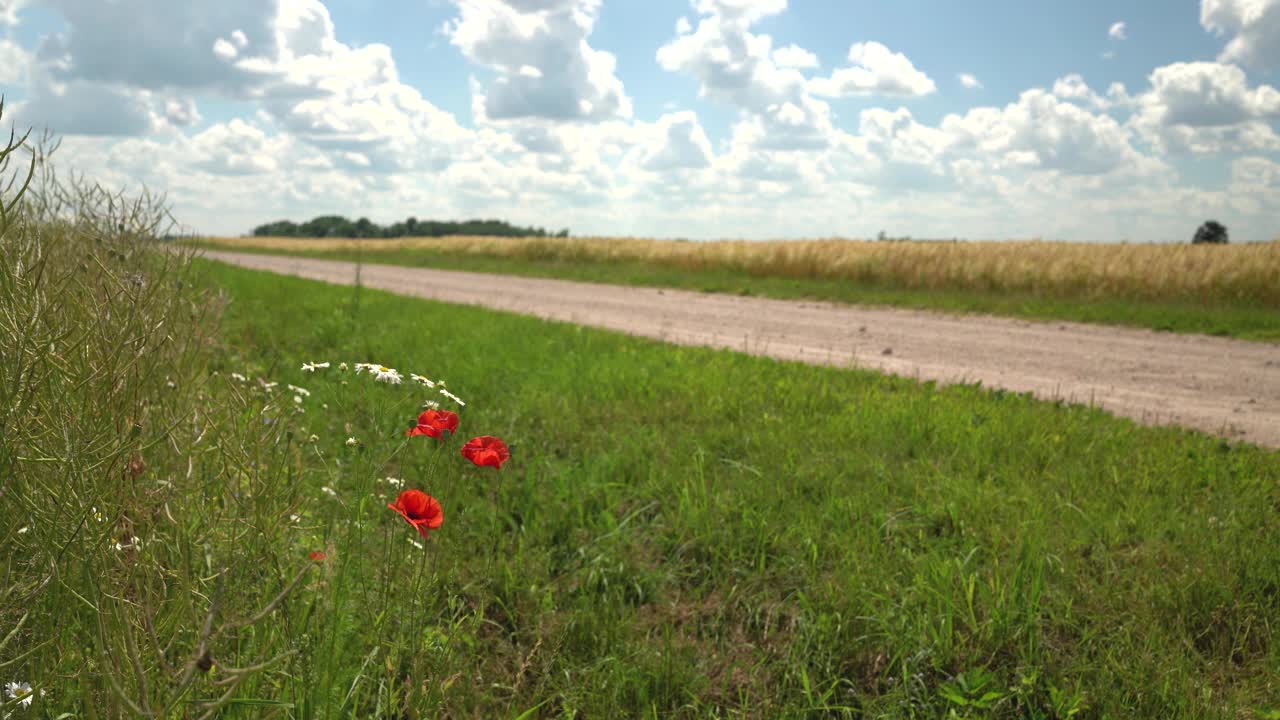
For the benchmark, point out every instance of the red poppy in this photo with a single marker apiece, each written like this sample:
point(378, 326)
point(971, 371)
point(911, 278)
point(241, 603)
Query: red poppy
point(486, 450)
point(419, 509)
point(434, 423)
point(317, 555)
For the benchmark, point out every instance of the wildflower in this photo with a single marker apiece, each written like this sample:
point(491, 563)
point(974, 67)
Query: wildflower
point(431, 405)
point(329, 491)
point(434, 423)
point(21, 692)
point(486, 451)
point(312, 367)
point(421, 380)
point(419, 509)
point(268, 385)
point(317, 556)
point(313, 438)
point(300, 391)
point(342, 367)
point(23, 530)
point(297, 399)
point(97, 514)
point(238, 376)
point(170, 383)
point(295, 518)
point(415, 543)
point(361, 367)
point(393, 482)
point(451, 396)
point(387, 375)
point(352, 442)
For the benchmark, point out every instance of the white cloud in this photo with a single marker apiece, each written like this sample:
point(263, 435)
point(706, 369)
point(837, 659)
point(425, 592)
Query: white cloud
point(1118, 31)
point(1206, 107)
point(736, 67)
point(14, 61)
point(875, 71)
point(1073, 87)
point(1253, 27)
point(678, 143)
point(970, 81)
point(794, 56)
point(570, 80)
point(9, 11)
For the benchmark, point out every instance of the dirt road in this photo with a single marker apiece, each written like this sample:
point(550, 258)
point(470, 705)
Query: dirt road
point(1226, 387)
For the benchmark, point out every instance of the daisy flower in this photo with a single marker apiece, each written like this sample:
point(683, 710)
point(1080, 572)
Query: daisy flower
point(238, 376)
point(312, 367)
point(300, 391)
point(386, 374)
point(21, 692)
point(352, 442)
point(329, 491)
point(342, 367)
point(421, 380)
point(452, 397)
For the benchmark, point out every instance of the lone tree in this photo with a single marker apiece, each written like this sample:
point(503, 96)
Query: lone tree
point(1212, 232)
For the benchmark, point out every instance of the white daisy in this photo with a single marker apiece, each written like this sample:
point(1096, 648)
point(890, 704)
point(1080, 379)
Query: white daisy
point(415, 543)
point(300, 391)
point(421, 380)
point(342, 367)
point(352, 442)
point(313, 438)
point(23, 530)
point(312, 367)
point(394, 482)
point(386, 374)
point(238, 376)
point(431, 405)
point(21, 692)
point(329, 491)
point(451, 396)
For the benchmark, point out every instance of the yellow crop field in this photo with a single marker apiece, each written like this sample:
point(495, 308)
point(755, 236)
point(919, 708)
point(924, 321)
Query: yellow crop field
point(1235, 273)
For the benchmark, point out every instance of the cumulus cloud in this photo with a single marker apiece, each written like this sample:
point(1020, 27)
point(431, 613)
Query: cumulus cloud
point(875, 71)
point(1253, 27)
point(14, 61)
point(545, 67)
point(968, 80)
point(1118, 31)
point(9, 11)
point(737, 67)
point(1206, 107)
point(794, 56)
point(677, 142)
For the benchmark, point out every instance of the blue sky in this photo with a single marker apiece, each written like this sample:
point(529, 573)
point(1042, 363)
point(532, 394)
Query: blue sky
point(1092, 121)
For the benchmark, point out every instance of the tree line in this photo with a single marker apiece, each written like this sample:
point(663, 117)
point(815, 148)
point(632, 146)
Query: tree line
point(339, 226)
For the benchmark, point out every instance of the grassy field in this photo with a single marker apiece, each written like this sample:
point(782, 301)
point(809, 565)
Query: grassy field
point(680, 533)
point(1231, 290)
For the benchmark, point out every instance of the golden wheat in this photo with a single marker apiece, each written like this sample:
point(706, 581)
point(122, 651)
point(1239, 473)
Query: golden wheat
point(1233, 273)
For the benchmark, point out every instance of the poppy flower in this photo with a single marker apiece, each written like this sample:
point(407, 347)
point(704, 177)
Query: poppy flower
point(486, 450)
point(419, 509)
point(434, 423)
point(317, 556)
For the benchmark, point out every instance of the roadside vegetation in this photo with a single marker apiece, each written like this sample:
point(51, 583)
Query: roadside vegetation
point(204, 514)
point(1229, 290)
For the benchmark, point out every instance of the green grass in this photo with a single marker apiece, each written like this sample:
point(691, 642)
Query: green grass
point(681, 533)
point(1211, 316)
point(693, 533)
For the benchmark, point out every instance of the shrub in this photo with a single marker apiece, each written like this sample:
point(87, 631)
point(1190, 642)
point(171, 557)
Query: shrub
point(1212, 233)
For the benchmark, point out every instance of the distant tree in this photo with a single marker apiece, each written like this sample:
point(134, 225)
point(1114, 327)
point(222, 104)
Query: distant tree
point(1211, 233)
point(339, 226)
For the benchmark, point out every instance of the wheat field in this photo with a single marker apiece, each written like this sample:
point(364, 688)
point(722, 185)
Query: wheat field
point(1241, 273)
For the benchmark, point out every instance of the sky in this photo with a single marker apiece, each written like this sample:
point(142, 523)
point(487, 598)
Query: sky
point(1124, 120)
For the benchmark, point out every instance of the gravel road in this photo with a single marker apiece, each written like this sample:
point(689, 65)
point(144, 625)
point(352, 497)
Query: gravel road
point(1226, 387)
